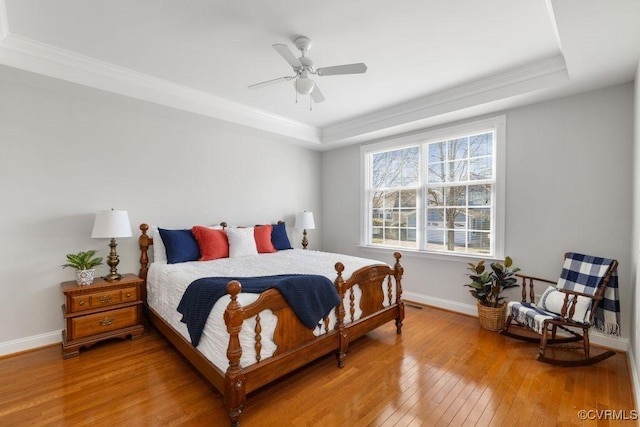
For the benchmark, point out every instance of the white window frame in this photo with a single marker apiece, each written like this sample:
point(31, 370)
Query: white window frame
point(495, 124)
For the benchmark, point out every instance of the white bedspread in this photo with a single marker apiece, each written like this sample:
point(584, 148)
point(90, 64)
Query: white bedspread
point(167, 282)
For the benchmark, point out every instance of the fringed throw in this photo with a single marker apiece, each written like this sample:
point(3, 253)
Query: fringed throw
point(583, 273)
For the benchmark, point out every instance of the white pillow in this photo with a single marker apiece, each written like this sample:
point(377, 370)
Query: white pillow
point(553, 299)
point(159, 251)
point(241, 242)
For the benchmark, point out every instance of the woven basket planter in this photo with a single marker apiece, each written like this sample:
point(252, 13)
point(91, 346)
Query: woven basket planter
point(492, 318)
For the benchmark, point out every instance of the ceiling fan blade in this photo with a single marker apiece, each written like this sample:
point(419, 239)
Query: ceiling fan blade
point(288, 56)
point(271, 82)
point(316, 95)
point(358, 68)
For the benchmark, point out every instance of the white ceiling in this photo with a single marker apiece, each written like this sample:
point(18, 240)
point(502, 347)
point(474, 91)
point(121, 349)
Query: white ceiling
point(429, 61)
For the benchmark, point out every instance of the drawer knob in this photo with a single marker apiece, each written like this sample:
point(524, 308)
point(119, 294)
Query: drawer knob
point(128, 295)
point(81, 303)
point(105, 299)
point(106, 321)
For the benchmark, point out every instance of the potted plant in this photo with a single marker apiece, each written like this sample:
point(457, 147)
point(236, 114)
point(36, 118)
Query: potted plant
point(84, 263)
point(487, 285)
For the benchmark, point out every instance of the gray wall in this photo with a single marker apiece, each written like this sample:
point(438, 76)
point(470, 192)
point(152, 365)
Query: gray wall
point(569, 188)
point(635, 250)
point(68, 151)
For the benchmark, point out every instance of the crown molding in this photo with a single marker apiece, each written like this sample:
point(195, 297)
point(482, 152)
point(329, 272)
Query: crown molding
point(30, 55)
point(513, 82)
point(41, 58)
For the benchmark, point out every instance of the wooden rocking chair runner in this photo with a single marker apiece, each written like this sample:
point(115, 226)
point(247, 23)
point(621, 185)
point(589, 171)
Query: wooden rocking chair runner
point(586, 295)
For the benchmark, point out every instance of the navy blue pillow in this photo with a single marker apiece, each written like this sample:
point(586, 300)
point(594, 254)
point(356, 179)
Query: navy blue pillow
point(181, 246)
point(279, 237)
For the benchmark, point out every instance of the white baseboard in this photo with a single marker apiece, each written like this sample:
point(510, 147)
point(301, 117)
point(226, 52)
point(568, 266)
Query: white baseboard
point(597, 338)
point(29, 343)
point(458, 307)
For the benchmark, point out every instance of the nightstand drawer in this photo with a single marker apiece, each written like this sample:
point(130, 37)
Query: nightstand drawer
point(99, 323)
point(102, 299)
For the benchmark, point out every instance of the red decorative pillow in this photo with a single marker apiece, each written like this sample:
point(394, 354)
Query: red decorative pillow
point(262, 234)
point(213, 243)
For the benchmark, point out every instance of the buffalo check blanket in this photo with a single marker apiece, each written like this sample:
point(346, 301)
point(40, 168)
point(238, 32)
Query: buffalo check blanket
point(583, 273)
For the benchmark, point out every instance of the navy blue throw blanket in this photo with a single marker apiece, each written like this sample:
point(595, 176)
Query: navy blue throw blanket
point(311, 297)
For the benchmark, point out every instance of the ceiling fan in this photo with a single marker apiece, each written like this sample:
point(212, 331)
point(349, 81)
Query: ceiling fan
point(303, 67)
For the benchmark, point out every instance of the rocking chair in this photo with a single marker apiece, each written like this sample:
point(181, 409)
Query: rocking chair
point(586, 295)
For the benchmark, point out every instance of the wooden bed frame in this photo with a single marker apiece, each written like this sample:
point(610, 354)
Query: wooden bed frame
point(296, 344)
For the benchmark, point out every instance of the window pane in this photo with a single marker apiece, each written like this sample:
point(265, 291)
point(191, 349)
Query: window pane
point(436, 173)
point(479, 219)
point(410, 167)
point(481, 145)
point(437, 152)
point(377, 200)
point(457, 148)
point(456, 196)
point(461, 219)
point(405, 239)
point(391, 199)
point(480, 168)
point(457, 171)
point(435, 196)
point(408, 198)
point(408, 218)
point(435, 218)
point(479, 242)
point(396, 168)
point(435, 237)
point(480, 195)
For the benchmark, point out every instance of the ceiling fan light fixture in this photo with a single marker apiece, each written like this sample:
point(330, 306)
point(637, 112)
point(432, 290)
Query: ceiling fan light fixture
point(304, 85)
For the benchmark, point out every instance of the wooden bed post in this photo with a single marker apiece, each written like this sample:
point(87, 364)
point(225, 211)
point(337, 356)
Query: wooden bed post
point(343, 343)
point(399, 271)
point(234, 381)
point(143, 242)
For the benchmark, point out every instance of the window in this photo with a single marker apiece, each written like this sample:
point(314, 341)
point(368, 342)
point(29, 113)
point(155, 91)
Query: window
point(438, 192)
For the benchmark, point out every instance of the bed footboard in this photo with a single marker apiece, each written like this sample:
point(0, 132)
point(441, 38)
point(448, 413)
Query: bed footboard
point(296, 346)
point(380, 301)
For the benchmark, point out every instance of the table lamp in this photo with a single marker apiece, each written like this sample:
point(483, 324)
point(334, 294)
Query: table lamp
point(110, 225)
point(304, 221)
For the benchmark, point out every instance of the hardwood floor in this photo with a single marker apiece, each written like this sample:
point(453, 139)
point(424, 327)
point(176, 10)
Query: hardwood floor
point(443, 370)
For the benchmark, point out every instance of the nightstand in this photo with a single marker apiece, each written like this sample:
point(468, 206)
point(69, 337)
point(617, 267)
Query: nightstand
point(100, 311)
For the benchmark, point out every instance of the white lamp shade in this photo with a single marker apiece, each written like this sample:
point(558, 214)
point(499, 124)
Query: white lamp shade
point(304, 220)
point(110, 224)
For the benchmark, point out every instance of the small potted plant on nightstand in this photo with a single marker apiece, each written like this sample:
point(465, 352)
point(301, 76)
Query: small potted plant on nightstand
point(84, 263)
point(486, 286)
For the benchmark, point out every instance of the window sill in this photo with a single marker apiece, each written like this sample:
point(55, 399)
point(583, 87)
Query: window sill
point(415, 253)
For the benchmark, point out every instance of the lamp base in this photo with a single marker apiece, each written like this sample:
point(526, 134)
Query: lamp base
point(112, 262)
point(305, 242)
point(112, 277)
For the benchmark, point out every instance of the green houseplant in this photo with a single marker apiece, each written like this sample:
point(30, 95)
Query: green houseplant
point(84, 263)
point(487, 286)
